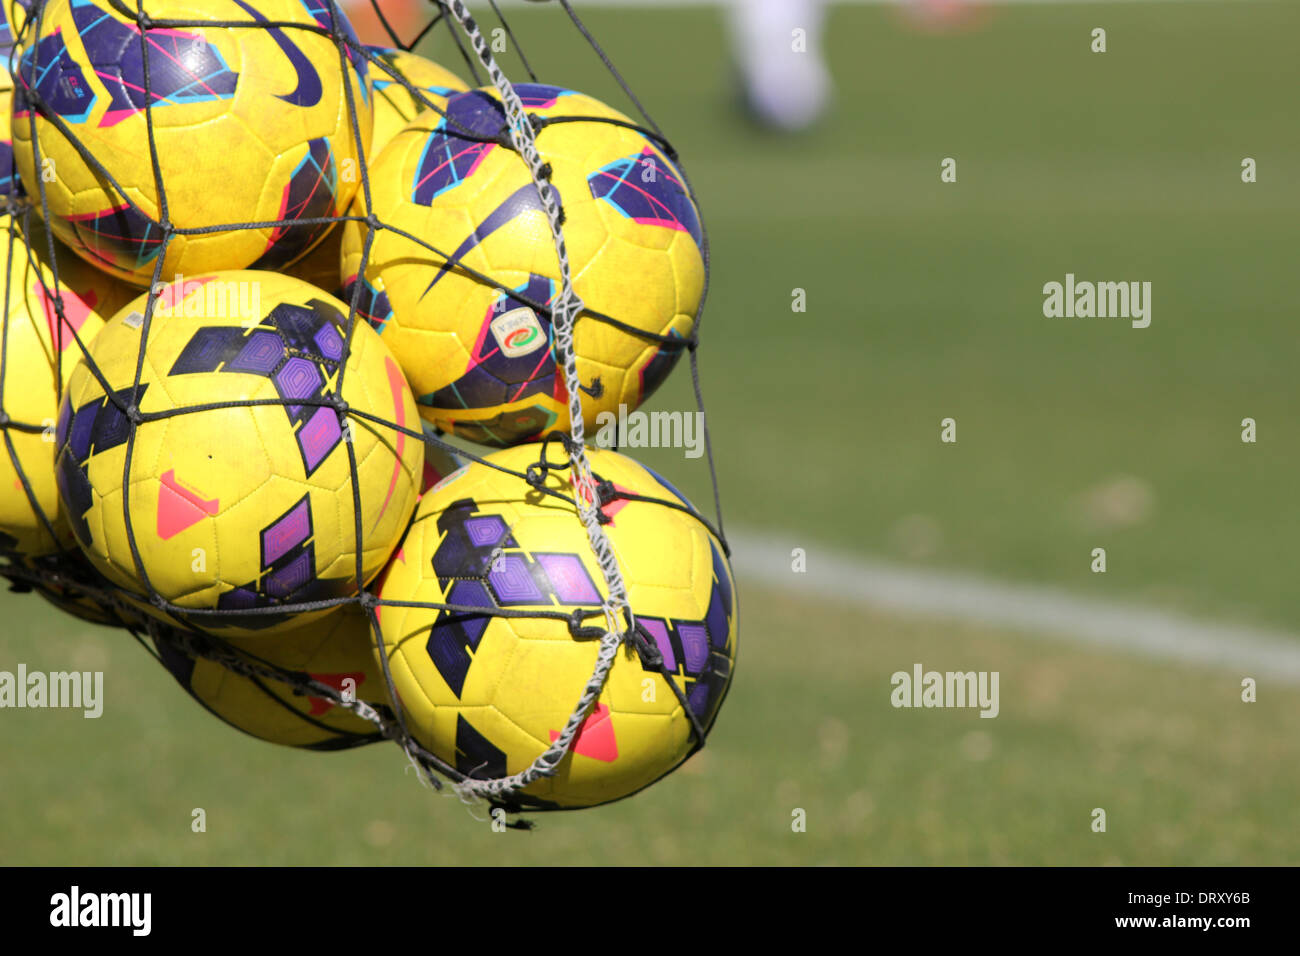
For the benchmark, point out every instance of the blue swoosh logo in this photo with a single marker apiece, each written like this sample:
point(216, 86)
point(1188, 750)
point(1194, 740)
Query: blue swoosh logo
point(308, 91)
point(522, 200)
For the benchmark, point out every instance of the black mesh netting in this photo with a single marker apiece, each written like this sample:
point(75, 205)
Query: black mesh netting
point(68, 579)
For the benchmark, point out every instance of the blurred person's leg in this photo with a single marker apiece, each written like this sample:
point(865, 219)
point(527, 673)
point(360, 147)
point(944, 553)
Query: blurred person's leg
point(786, 82)
point(784, 78)
point(406, 17)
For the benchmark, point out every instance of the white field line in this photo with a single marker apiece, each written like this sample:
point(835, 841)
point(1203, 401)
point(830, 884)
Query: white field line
point(1039, 611)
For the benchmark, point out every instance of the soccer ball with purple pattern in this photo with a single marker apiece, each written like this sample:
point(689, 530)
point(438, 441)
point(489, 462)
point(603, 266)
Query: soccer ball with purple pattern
point(223, 481)
point(251, 123)
point(470, 320)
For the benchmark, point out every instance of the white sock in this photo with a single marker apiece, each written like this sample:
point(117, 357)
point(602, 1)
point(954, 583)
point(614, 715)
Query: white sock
point(786, 79)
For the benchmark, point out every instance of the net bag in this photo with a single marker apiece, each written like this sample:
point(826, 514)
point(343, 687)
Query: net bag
point(318, 440)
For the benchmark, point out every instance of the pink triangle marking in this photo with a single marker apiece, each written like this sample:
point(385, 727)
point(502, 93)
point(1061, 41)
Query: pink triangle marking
point(596, 736)
point(179, 508)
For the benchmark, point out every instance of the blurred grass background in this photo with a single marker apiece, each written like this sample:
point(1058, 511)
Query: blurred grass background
point(924, 302)
point(1186, 773)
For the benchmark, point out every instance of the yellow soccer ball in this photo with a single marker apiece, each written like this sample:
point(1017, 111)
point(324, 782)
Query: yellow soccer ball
point(395, 106)
point(482, 361)
point(337, 652)
point(251, 124)
point(489, 694)
point(248, 507)
point(37, 357)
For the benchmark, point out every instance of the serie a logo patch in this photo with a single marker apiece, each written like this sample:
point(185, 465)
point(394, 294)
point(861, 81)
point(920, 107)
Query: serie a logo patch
point(518, 332)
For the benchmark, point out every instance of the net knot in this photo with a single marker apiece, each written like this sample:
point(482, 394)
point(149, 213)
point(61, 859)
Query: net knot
point(535, 474)
point(605, 494)
point(580, 630)
point(566, 441)
point(504, 139)
point(570, 304)
point(645, 646)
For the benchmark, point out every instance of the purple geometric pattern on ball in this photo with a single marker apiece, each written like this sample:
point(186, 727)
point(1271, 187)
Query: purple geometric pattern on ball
point(288, 574)
point(320, 11)
point(695, 643)
point(485, 530)
point(10, 184)
point(240, 599)
point(476, 756)
point(475, 570)
point(282, 582)
point(329, 342)
point(261, 353)
point(372, 305)
point(48, 70)
point(98, 425)
point(299, 348)
point(512, 583)
point(448, 159)
point(208, 348)
point(470, 594)
point(120, 236)
point(698, 697)
point(569, 578)
point(82, 428)
point(659, 631)
point(688, 657)
point(718, 618)
point(457, 556)
point(521, 202)
point(309, 194)
point(539, 96)
point(649, 190)
point(287, 533)
point(307, 90)
point(298, 378)
point(299, 324)
point(456, 633)
point(112, 427)
point(183, 68)
point(320, 436)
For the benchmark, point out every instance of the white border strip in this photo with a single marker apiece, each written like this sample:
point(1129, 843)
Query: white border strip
point(845, 579)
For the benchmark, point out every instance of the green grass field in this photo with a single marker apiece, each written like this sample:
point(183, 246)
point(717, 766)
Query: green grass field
point(1186, 773)
point(924, 302)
